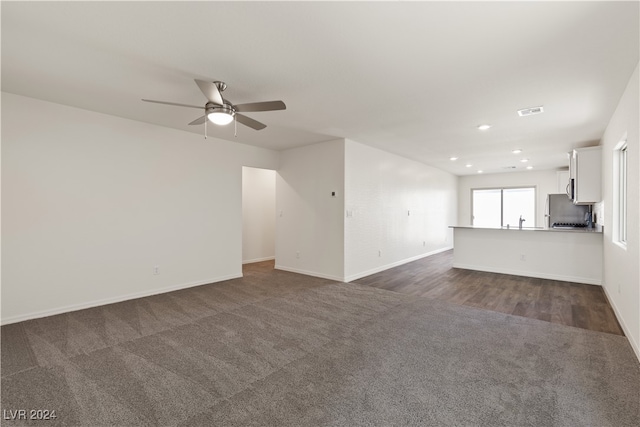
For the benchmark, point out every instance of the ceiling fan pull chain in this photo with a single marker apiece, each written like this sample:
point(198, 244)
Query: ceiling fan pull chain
point(205, 128)
point(235, 127)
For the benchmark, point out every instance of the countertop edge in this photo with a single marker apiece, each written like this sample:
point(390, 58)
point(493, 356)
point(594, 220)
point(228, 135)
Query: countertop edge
point(597, 230)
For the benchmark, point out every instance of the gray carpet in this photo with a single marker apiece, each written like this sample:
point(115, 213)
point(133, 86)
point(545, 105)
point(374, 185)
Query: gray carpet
point(282, 349)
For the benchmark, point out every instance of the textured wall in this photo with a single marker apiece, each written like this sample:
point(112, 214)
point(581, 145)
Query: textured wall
point(397, 210)
point(621, 266)
point(91, 203)
point(309, 220)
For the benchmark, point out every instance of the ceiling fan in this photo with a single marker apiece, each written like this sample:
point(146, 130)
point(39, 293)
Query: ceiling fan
point(222, 112)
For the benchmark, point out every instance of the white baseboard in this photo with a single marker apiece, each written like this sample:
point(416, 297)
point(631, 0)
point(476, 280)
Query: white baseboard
point(375, 270)
point(364, 273)
point(250, 261)
point(634, 344)
point(309, 273)
point(575, 279)
point(111, 300)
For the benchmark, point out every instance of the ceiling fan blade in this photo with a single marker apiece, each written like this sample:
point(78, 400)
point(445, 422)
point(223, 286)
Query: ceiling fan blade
point(211, 91)
point(174, 103)
point(199, 120)
point(260, 106)
point(250, 122)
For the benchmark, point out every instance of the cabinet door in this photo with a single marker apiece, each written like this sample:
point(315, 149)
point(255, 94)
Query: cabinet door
point(572, 164)
point(588, 176)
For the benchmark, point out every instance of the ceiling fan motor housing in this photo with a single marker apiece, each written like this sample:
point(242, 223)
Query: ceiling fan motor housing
point(227, 108)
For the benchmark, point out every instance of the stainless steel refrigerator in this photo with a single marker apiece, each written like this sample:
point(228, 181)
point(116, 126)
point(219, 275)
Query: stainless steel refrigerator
point(562, 213)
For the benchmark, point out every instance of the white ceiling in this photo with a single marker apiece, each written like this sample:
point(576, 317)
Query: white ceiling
point(413, 78)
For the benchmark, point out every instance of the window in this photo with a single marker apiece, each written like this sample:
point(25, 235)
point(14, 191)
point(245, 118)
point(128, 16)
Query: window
point(620, 201)
point(487, 208)
point(499, 207)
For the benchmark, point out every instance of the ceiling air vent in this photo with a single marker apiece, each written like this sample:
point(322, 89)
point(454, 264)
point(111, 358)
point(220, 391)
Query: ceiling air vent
point(530, 111)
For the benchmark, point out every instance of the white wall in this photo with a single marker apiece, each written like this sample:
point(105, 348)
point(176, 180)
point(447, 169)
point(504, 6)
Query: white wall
point(91, 203)
point(258, 214)
point(570, 256)
point(309, 221)
point(397, 210)
point(546, 182)
point(622, 266)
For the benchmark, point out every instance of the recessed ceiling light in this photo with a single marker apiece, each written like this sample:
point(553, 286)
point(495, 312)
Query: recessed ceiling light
point(529, 167)
point(479, 171)
point(524, 160)
point(468, 165)
point(484, 127)
point(516, 151)
point(453, 159)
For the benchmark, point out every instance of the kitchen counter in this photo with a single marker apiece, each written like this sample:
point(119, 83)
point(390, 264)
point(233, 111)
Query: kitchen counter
point(571, 255)
point(597, 229)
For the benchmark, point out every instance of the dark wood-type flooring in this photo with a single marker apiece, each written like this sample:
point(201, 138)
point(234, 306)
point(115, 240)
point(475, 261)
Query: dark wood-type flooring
point(571, 304)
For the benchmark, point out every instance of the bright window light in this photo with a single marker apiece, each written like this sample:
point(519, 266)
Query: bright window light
point(499, 207)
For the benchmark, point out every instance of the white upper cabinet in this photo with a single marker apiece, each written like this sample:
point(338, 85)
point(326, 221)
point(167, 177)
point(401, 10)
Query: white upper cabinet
point(586, 172)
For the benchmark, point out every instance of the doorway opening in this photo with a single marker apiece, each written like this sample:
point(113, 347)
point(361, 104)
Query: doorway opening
point(258, 215)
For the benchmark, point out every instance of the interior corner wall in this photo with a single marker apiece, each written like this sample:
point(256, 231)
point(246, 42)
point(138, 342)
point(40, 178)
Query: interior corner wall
point(92, 204)
point(309, 220)
point(621, 266)
point(545, 182)
point(258, 214)
point(397, 210)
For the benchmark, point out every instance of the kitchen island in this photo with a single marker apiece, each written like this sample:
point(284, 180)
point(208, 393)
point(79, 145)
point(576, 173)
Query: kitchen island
point(572, 255)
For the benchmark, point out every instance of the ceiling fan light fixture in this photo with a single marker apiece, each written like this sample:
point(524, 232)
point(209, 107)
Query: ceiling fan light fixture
point(222, 115)
point(220, 118)
point(221, 112)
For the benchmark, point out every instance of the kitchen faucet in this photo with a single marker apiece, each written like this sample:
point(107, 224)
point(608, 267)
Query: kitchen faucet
point(521, 221)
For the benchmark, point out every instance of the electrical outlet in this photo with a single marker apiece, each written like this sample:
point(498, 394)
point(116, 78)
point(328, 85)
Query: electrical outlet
point(424, 243)
point(156, 270)
point(523, 257)
point(618, 287)
point(379, 252)
point(297, 254)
